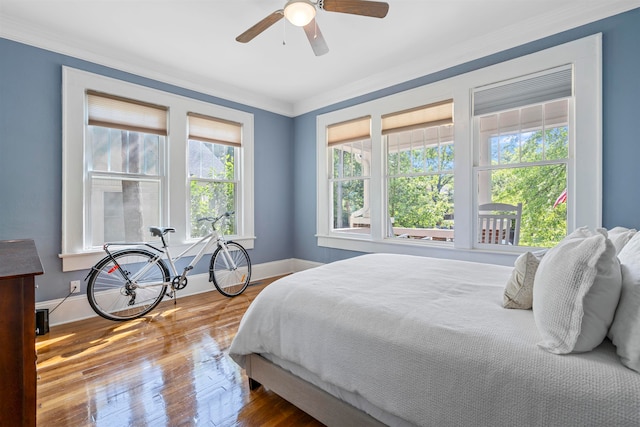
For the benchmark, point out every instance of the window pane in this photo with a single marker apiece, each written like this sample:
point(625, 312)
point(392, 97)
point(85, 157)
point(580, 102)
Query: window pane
point(122, 209)
point(114, 150)
point(446, 157)
point(531, 134)
point(351, 159)
point(532, 147)
point(350, 206)
point(432, 158)
point(213, 161)
point(347, 160)
point(151, 154)
point(100, 148)
point(509, 146)
point(417, 159)
point(114, 200)
point(404, 162)
point(539, 189)
point(422, 206)
point(556, 142)
point(210, 161)
point(420, 151)
point(211, 199)
point(393, 154)
point(351, 196)
point(420, 183)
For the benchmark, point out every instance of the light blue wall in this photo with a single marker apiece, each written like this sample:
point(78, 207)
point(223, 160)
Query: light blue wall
point(285, 179)
point(621, 138)
point(31, 160)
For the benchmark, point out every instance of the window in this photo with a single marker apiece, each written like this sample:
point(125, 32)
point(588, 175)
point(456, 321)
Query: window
point(134, 157)
point(125, 168)
point(214, 147)
point(349, 146)
point(420, 161)
point(522, 152)
point(526, 131)
point(523, 159)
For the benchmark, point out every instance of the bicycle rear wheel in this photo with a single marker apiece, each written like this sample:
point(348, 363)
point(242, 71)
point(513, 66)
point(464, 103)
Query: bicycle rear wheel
point(129, 288)
point(228, 280)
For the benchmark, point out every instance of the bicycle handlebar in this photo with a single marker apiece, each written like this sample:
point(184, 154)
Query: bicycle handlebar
point(214, 220)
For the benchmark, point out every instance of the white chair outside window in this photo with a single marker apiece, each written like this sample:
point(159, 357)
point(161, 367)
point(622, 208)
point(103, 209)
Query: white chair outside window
point(499, 223)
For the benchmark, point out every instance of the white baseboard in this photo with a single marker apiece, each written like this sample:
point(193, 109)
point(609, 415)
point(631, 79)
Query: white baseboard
point(76, 307)
point(301, 264)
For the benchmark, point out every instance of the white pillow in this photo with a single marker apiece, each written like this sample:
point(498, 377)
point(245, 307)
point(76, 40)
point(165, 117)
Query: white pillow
point(620, 236)
point(519, 290)
point(625, 330)
point(576, 291)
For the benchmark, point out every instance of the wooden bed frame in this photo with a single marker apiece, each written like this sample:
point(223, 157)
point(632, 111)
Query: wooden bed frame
point(316, 402)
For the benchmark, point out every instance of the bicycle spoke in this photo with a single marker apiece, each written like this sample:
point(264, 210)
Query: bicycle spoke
point(114, 295)
point(231, 269)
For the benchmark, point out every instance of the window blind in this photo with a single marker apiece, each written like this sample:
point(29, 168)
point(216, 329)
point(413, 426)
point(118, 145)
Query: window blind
point(127, 114)
point(215, 130)
point(547, 86)
point(349, 131)
point(436, 114)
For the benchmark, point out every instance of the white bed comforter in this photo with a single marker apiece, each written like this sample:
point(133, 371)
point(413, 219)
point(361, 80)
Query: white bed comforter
point(427, 340)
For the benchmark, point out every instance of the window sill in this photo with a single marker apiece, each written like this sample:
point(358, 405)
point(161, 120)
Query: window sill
point(504, 256)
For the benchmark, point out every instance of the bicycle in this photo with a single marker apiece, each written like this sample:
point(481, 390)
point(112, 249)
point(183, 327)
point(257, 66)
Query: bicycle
point(129, 283)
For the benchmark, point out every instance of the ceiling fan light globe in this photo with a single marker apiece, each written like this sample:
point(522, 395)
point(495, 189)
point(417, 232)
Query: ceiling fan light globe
point(299, 12)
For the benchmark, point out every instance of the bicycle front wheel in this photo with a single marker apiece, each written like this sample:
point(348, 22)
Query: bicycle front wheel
point(128, 288)
point(230, 270)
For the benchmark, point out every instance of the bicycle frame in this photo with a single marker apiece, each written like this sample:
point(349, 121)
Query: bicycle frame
point(212, 239)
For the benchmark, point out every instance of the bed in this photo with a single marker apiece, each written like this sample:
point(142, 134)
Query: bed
point(385, 339)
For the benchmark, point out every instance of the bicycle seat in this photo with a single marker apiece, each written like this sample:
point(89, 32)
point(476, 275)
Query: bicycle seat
point(161, 231)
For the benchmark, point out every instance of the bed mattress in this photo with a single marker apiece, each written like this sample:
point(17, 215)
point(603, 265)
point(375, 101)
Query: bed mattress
point(427, 341)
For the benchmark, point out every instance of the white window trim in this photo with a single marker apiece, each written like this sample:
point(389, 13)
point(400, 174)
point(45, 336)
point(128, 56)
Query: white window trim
point(175, 206)
point(584, 173)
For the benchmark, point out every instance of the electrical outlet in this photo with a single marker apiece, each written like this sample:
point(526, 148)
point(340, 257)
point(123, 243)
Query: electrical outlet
point(74, 286)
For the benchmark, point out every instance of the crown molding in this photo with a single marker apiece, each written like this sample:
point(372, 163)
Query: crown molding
point(508, 37)
point(505, 38)
point(30, 35)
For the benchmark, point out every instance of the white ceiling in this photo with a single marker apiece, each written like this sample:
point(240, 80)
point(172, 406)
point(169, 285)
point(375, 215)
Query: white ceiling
point(191, 43)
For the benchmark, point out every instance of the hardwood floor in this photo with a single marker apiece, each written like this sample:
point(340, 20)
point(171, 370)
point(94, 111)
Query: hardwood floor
point(170, 368)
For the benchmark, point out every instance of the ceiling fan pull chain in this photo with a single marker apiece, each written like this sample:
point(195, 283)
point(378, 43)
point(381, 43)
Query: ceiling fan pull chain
point(284, 32)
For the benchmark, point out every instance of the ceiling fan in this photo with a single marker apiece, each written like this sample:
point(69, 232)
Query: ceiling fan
point(301, 13)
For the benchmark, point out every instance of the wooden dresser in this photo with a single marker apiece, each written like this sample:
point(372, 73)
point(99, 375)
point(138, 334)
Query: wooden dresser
point(19, 264)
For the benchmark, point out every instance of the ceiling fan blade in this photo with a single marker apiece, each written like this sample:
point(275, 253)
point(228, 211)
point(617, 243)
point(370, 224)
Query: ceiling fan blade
point(315, 37)
point(252, 32)
point(375, 9)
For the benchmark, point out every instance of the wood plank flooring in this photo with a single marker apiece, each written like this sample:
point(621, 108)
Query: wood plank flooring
point(170, 368)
